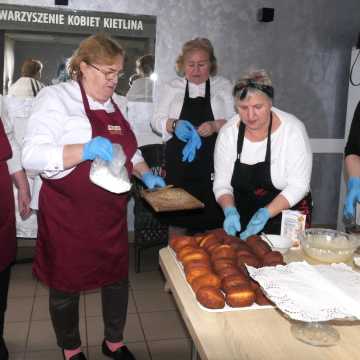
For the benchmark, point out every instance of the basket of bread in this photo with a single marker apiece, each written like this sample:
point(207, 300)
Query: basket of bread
point(214, 265)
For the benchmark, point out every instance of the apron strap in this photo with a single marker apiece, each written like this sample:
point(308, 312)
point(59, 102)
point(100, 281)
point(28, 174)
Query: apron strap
point(186, 95)
point(241, 135)
point(240, 139)
point(207, 89)
point(268, 144)
point(34, 90)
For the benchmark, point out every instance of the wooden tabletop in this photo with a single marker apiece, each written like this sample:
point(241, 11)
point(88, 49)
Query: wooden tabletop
point(262, 334)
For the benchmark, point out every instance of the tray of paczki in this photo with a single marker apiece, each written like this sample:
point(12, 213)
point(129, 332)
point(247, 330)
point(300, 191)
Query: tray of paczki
point(214, 266)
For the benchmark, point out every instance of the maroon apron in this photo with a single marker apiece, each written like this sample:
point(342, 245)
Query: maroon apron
point(7, 206)
point(82, 235)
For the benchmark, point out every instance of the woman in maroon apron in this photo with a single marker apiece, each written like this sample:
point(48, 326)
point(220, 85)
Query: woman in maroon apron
point(7, 232)
point(256, 203)
point(82, 241)
point(195, 173)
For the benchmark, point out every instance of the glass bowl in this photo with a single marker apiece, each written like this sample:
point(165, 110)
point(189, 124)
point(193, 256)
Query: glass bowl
point(329, 246)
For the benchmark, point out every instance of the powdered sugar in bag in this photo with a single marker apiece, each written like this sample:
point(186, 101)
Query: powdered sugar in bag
point(111, 175)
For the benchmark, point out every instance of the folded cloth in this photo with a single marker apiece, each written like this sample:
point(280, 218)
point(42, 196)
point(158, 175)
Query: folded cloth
point(311, 292)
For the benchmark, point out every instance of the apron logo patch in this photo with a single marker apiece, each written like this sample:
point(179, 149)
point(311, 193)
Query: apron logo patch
point(114, 129)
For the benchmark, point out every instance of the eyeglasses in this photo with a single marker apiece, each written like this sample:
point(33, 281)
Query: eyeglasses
point(109, 75)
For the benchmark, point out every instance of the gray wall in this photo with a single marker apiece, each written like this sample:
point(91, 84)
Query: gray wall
point(306, 49)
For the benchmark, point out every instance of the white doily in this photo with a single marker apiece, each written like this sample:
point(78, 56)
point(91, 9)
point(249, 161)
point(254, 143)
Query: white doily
point(311, 293)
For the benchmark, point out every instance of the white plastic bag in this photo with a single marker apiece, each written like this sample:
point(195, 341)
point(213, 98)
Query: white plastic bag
point(111, 175)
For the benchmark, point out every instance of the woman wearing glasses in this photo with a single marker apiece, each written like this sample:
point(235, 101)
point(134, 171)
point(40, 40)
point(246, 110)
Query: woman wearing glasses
point(190, 111)
point(82, 241)
point(263, 161)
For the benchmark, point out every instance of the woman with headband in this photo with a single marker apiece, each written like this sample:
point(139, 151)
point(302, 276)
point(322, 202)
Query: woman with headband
point(262, 160)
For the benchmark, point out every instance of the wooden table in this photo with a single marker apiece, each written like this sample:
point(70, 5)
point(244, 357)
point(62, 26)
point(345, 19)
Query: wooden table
point(262, 334)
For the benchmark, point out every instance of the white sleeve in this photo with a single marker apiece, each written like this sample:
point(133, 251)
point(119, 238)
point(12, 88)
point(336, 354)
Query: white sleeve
point(224, 159)
point(298, 164)
point(162, 111)
point(122, 102)
point(137, 158)
point(14, 164)
point(42, 150)
point(228, 99)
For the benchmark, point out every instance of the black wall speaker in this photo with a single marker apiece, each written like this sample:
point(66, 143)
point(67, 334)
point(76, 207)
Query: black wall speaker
point(266, 14)
point(62, 2)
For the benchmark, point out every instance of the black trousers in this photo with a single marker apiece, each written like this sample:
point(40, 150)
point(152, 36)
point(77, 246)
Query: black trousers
point(4, 288)
point(64, 312)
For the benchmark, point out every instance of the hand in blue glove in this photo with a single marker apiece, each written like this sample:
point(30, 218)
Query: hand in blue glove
point(256, 223)
point(151, 180)
point(352, 197)
point(232, 221)
point(189, 150)
point(184, 129)
point(98, 146)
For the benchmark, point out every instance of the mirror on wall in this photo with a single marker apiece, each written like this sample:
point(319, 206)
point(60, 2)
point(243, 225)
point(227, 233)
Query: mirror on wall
point(53, 50)
point(51, 35)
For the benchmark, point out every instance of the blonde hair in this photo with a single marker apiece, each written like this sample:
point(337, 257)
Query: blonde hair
point(253, 81)
point(197, 44)
point(31, 68)
point(98, 48)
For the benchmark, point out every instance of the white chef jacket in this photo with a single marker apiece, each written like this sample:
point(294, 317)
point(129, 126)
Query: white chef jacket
point(22, 87)
point(140, 109)
point(291, 157)
point(58, 118)
point(14, 164)
point(140, 114)
point(171, 98)
point(15, 112)
point(141, 90)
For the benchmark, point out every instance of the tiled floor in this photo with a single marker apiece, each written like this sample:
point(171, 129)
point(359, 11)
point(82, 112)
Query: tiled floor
point(154, 330)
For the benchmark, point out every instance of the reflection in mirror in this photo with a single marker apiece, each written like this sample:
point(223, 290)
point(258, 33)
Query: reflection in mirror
point(54, 49)
point(50, 49)
point(140, 101)
point(141, 83)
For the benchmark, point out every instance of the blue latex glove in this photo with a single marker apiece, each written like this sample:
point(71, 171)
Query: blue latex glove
point(151, 180)
point(232, 221)
point(184, 130)
point(189, 150)
point(256, 223)
point(98, 146)
point(352, 197)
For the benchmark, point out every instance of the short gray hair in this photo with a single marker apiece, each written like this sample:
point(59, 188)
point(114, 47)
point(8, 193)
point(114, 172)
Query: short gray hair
point(253, 81)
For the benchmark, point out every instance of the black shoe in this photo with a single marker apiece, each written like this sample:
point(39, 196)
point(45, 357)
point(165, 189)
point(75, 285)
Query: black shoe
point(79, 356)
point(122, 353)
point(4, 354)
